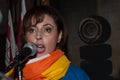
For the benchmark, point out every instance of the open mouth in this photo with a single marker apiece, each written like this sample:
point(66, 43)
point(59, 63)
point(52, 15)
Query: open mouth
point(40, 48)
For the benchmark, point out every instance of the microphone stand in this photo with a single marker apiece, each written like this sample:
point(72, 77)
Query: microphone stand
point(19, 72)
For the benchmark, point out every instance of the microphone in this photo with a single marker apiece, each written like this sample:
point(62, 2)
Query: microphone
point(28, 50)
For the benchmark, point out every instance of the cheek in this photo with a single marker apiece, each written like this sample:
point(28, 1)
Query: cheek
point(29, 38)
point(51, 42)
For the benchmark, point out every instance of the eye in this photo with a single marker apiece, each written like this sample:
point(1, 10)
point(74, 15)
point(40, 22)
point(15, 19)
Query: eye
point(48, 29)
point(31, 30)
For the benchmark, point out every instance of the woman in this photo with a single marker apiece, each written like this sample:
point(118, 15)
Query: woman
point(44, 27)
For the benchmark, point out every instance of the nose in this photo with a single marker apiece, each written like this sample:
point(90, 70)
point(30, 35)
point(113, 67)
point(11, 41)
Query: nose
point(38, 36)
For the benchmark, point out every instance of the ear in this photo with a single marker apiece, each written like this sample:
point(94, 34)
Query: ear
point(59, 37)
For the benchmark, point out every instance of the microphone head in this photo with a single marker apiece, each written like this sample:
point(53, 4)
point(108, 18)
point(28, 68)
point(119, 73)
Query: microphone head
point(32, 47)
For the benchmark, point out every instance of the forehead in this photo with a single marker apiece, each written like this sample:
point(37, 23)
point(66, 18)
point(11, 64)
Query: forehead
point(43, 19)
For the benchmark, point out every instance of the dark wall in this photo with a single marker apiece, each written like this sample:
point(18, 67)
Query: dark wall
point(2, 52)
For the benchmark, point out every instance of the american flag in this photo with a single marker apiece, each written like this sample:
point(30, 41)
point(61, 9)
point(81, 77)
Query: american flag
point(23, 11)
point(11, 48)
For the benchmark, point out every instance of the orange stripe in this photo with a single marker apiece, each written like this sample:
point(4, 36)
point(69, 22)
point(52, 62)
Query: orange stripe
point(33, 71)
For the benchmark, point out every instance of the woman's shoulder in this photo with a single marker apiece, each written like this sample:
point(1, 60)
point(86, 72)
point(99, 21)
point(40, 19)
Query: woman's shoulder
point(77, 69)
point(74, 68)
point(75, 73)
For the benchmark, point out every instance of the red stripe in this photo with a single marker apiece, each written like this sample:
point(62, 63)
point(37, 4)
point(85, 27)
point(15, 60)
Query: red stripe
point(8, 36)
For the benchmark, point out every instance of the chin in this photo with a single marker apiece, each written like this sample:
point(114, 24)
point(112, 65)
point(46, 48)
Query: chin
point(40, 54)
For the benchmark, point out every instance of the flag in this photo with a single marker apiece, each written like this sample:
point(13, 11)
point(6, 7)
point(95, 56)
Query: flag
point(11, 48)
point(23, 11)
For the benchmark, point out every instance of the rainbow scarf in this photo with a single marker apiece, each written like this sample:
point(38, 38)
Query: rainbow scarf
point(53, 67)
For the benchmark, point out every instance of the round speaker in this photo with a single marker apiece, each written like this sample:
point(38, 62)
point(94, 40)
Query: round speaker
point(94, 29)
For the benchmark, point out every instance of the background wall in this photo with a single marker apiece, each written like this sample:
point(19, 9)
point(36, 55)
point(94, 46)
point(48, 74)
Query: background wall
point(110, 10)
point(74, 11)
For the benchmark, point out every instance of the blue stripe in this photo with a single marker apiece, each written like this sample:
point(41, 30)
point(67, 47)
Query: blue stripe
point(75, 73)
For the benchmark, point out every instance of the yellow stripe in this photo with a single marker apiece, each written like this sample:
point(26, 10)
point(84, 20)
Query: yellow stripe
point(57, 70)
point(9, 74)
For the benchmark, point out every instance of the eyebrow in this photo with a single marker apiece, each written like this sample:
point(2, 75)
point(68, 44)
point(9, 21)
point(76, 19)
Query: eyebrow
point(33, 26)
point(48, 24)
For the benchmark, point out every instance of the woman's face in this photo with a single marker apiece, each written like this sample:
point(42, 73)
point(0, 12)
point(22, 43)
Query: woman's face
point(44, 35)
